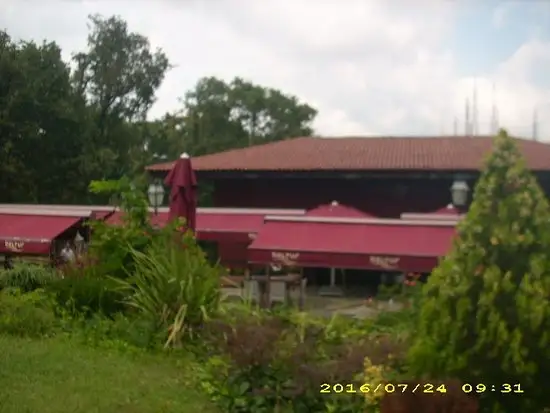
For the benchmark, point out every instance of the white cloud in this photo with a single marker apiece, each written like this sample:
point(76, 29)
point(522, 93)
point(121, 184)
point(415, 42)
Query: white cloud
point(370, 67)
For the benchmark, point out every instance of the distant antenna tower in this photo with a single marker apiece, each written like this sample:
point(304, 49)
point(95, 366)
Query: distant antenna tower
point(467, 124)
point(494, 114)
point(455, 126)
point(535, 124)
point(475, 126)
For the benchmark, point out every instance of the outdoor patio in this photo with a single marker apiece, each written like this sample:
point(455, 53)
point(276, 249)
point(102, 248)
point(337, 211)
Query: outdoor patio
point(351, 303)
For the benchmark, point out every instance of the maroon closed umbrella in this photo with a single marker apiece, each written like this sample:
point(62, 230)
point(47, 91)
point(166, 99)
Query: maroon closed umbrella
point(183, 194)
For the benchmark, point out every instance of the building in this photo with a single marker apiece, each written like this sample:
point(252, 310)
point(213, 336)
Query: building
point(394, 182)
point(384, 177)
point(354, 203)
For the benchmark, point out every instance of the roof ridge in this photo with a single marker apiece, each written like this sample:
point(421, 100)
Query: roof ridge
point(309, 153)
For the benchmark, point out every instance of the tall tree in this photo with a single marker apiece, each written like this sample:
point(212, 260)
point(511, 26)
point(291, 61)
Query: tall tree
point(119, 75)
point(40, 127)
point(267, 114)
point(485, 313)
point(218, 116)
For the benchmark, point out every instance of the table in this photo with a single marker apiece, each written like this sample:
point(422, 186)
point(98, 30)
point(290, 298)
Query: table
point(291, 281)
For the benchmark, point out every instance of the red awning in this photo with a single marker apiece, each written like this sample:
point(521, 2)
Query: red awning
point(227, 227)
point(32, 234)
point(336, 210)
point(449, 213)
point(103, 215)
point(233, 254)
point(399, 247)
point(214, 226)
point(159, 219)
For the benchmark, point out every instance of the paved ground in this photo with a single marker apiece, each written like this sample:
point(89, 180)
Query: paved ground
point(354, 305)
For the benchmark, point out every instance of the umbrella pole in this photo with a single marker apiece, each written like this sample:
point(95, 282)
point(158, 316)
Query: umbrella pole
point(332, 290)
point(267, 288)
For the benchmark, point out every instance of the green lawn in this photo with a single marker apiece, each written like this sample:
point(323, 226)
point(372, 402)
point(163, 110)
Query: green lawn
point(62, 376)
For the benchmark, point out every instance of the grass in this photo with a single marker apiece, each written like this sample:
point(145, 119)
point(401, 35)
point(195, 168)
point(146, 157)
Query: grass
point(62, 375)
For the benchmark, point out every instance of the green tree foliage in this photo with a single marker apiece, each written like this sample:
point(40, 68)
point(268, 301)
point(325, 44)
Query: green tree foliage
point(118, 76)
point(40, 124)
point(217, 116)
point(485, 316)
point(111, 245)
point(62, 129)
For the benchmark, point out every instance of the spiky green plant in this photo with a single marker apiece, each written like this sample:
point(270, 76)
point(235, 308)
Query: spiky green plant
point(174, 286)
point(485, 314)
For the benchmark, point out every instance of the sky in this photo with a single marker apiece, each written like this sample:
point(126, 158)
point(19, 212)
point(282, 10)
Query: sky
point(370, 67)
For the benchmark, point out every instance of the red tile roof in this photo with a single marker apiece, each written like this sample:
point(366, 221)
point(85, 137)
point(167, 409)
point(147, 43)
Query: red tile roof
point(453, 153)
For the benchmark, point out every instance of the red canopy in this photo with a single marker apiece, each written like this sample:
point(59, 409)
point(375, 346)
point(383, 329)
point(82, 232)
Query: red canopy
point(218, 227)
point(448, 213)
point(399, 247)
point(221, 227)
point(32, 234)
point(335, 209)
point(183, 194)
point(103, 215)
point(220, 224)
point(159, 219)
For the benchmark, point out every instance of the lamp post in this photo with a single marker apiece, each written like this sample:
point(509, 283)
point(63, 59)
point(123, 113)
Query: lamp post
point(459, 194)
point(155, 193)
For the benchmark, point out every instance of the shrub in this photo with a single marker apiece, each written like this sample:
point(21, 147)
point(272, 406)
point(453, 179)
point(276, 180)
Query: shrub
point(85, 290)
point(111, 245)
point(485, 313)
point(87, 295)
point(265, 363)
point(173, 286)
point(26, 314)
point(27, 277)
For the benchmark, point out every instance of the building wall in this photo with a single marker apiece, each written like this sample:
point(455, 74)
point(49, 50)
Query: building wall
point(381, 197)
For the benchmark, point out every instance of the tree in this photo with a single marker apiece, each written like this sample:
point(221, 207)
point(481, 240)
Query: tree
point(219, 116)
point(40, 124)
point(267, 114)
point(165, 136)
point(485, 314)
point(119, 76)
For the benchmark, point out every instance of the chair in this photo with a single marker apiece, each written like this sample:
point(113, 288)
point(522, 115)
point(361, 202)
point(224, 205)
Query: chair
point(278, 292)
point(251, 290)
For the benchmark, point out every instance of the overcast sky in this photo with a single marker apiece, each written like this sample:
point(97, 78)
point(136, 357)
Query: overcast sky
point(370, 67)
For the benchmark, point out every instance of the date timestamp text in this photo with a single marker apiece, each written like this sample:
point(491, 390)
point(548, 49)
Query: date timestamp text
point(493, 388)
point(386, 388)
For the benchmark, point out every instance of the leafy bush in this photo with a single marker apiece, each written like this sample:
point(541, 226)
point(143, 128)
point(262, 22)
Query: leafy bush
point(173, 286)
point(27, 277)
point(87, 295)
point(265, 363)
point(26, 314)
point(485, 312)
point(111, 245)
point(84, 291)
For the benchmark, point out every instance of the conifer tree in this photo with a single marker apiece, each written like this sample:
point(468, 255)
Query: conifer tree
point(485, 312)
